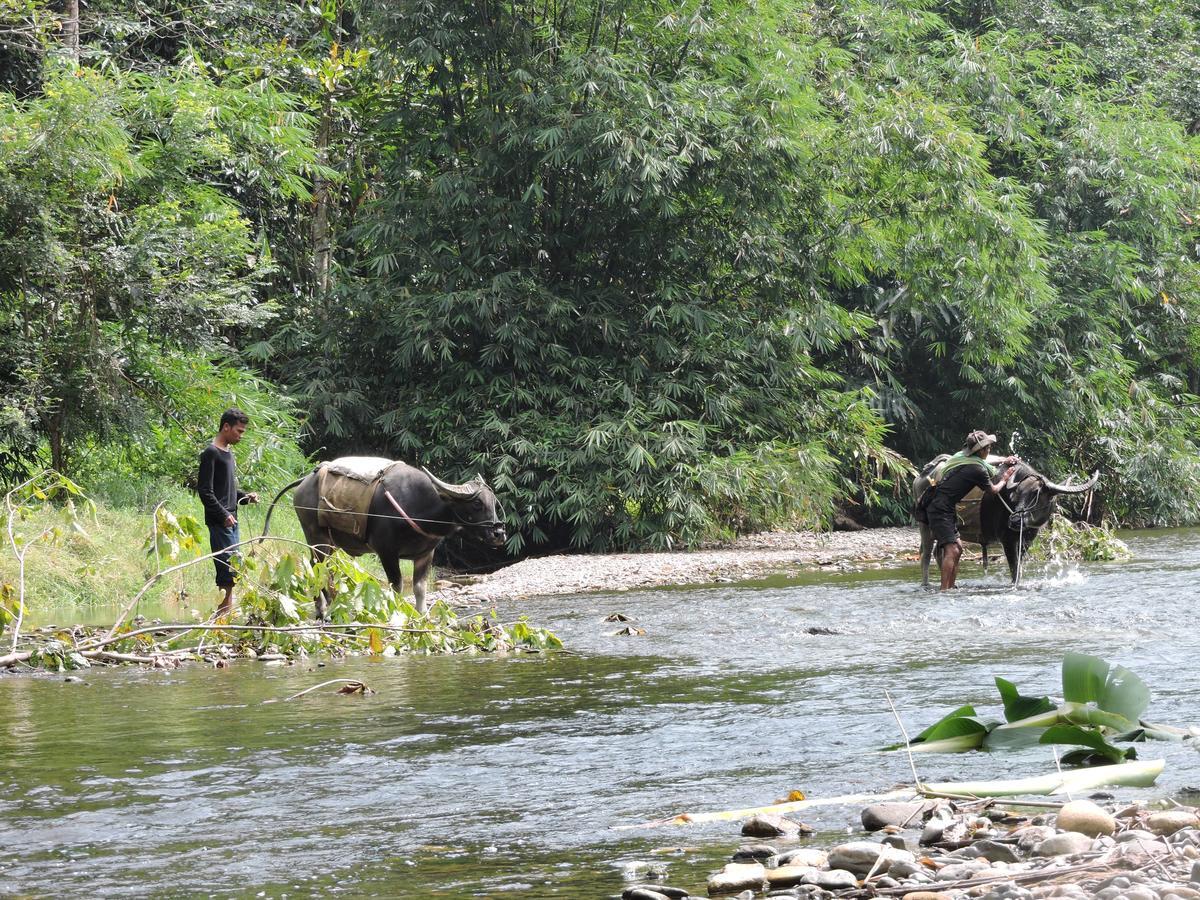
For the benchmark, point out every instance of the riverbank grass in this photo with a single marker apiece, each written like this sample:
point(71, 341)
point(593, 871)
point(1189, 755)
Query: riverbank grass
point(87, 554)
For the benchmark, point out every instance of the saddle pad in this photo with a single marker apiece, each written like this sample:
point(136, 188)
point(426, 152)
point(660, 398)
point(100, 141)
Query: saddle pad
point(968, 513)
point(361, 468)
point(344, 501)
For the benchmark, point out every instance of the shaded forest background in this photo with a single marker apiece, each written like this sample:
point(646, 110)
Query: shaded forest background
point(660, 271)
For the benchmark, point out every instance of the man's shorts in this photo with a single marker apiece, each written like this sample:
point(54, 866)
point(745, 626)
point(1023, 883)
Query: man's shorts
point(943, 526)
point(222, 538)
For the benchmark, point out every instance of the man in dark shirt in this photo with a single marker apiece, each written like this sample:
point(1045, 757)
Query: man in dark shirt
point(961, 473)
point(219, 492)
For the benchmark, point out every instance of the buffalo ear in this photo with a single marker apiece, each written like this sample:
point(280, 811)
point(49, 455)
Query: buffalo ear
point(448, 491)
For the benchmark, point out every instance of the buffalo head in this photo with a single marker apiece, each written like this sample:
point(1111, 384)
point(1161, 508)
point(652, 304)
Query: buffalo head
point(474, 507)
point(1030, 496)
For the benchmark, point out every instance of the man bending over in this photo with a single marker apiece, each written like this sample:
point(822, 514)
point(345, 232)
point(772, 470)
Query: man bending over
point(963, 471)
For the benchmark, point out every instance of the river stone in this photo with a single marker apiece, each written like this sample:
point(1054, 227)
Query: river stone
point(1135, 834)
point(934, 829)
point(1066, 844)
point(993, 851)
point(1032, 835)
point(804, 856)
point(767, 825)
point(643, 893)
point(738, 877)
point(895, 841)
point(1171, 820)
point(790, 876)
point(1085, 817)
point(880, 815)
point(1137, 853)
point(904, 868)
point(962, 871)
point(833, 879)
point(969, 852)
point(755, 853)
point(861, 856)
point(928, 895)
point(672, 893)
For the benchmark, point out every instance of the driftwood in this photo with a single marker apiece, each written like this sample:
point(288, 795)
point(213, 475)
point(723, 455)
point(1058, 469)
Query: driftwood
point(351, 686)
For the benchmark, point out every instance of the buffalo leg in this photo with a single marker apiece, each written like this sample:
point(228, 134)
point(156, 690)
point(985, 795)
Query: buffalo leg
point(320, 552)
point(1012, 555)
point(421, 579)
point(391, 568)
point(926, 552)
point(984, 557)
point(317, 540)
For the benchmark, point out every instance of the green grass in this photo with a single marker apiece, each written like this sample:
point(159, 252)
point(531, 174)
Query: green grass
point(98, 559)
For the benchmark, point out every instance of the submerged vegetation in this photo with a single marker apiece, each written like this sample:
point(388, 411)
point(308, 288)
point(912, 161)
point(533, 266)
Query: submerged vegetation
point(662, 271)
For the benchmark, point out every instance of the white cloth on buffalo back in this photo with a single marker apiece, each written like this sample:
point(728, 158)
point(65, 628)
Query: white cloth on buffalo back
point(360, 468)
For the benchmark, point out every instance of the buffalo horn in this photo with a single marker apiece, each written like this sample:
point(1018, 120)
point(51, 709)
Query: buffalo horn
point(1074, 488)
point(452, 491)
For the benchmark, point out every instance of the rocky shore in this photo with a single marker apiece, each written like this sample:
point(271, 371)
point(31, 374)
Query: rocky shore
point(752, 556)
point(942, 850)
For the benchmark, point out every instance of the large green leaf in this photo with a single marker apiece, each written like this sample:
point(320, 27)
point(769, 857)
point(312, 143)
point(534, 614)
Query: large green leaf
point(1093, 740)
point(1124, 693)
point(1083, 677)
point(1017, 707)
point(1013, 738)
point(954, 726)
point(1114, 689)
point(939, 728)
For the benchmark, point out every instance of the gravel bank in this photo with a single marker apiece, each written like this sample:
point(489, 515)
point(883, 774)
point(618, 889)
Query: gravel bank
point(752, 556)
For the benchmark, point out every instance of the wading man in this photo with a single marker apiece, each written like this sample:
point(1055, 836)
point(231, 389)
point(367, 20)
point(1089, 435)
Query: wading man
point(218, 488)
point(963, 471)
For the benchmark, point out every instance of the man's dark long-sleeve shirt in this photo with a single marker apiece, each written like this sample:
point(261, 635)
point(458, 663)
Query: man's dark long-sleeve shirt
point(218, 485)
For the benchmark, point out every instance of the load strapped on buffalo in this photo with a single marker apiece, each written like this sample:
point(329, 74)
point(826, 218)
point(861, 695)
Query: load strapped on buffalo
point(368, 504)
point(1012, 517)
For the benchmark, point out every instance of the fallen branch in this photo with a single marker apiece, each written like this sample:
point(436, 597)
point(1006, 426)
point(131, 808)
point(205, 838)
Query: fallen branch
point(358, 688)
point(775, 808)
point(90, 649)
point(282, 629)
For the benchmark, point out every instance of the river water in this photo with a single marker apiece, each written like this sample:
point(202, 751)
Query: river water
point(498, 777)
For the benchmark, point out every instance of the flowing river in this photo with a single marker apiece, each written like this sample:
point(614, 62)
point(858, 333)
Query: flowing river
point(498, 777)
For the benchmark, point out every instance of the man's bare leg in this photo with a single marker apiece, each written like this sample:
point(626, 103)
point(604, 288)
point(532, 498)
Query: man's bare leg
point(950, 556)
point(225, 607)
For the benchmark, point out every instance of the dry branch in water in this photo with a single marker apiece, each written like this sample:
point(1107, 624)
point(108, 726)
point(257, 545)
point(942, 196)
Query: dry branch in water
point(349, 686)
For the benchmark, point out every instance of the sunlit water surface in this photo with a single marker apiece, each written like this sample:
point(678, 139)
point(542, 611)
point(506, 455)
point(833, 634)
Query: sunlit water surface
point(508, 776)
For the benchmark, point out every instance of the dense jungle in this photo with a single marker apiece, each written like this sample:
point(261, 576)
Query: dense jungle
point(662, 272)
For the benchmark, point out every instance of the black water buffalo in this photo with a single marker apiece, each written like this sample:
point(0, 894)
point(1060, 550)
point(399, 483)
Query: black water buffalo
point(1011, 518)
point(410, 512)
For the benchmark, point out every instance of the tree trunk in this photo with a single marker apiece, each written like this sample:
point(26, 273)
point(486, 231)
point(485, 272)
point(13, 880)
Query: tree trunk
point(321, 237)
point(70, 28)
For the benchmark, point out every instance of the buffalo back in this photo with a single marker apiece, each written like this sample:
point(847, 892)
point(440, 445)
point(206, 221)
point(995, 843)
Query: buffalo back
point(344, 502)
